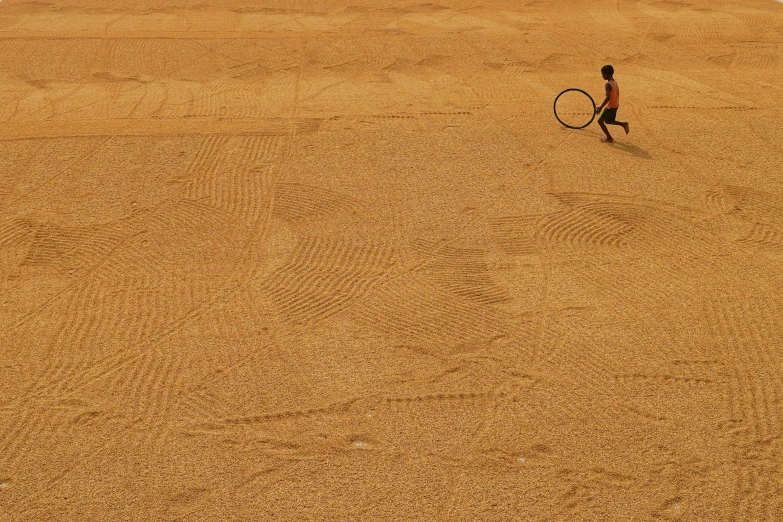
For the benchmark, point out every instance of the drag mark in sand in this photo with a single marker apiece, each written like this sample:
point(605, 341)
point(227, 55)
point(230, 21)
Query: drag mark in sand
point(326, 275)
point(299, 203)
point(411, 308)
point(746, 330)
point(294, 263)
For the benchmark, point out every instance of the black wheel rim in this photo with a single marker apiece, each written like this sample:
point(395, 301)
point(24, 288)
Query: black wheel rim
point(592, 102)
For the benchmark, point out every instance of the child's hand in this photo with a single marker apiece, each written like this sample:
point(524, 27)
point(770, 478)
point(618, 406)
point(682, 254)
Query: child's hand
point(597, 110)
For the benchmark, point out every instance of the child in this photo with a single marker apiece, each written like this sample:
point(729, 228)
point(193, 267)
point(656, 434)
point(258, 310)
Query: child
point(612, 102)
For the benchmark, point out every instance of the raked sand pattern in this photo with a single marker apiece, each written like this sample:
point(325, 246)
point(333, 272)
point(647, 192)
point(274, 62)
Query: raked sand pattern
point(336, 260)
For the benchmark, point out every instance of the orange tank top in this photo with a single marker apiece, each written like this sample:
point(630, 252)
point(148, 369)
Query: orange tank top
point(614, 96)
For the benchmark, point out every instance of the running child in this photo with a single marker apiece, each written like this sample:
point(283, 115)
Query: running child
point(612, 103)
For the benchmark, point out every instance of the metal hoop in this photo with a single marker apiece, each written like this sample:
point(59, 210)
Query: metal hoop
point(592, 102)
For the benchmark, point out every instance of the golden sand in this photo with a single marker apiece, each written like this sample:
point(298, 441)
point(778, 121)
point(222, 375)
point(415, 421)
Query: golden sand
point(336, 260)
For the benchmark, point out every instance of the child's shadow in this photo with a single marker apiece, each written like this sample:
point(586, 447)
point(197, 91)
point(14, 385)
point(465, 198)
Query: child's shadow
point(627, 148)
point(633, 150)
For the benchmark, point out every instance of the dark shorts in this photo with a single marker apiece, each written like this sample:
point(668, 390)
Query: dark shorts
point(608, 115)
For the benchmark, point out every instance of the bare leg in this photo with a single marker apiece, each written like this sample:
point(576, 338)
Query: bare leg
point(623, 124)
point(609, 138)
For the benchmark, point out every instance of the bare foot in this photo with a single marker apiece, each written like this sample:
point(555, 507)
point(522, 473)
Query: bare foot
point(627, 128)
point(607, 140)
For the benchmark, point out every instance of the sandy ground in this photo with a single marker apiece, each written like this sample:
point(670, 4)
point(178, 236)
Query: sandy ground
point(336, 260)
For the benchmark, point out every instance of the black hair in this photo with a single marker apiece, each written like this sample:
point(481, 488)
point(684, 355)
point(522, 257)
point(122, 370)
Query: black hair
point(608, 69)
